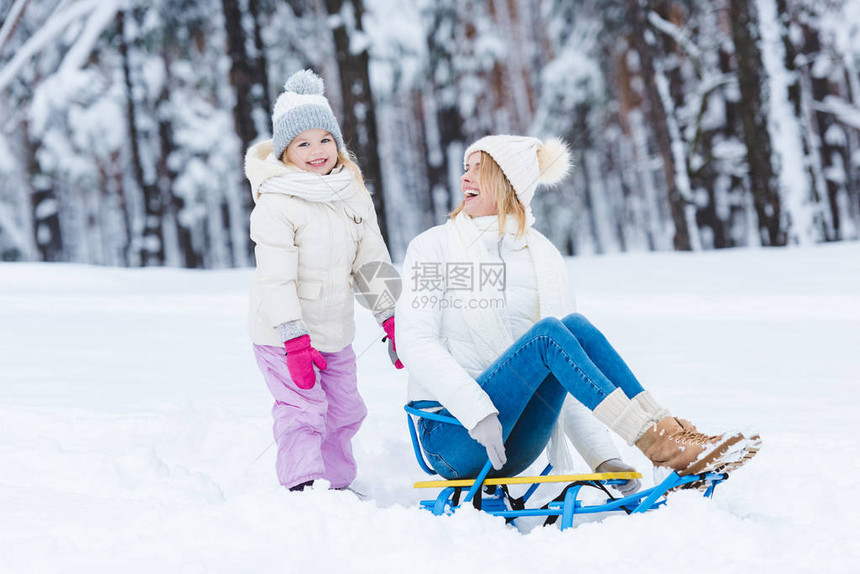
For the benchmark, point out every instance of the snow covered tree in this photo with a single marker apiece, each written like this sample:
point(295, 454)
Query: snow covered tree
point(664, 126)
point(694, 124)
point(359, 117)
point(754, 110)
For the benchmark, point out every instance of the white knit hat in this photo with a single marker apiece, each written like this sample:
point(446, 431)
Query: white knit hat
point(526, 161)
point(302, 107)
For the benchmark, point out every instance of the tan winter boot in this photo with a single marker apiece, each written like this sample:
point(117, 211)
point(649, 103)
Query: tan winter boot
point(740, 453)
point(675, 443)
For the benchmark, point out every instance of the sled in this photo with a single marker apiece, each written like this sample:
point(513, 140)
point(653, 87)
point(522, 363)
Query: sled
point(492, 495)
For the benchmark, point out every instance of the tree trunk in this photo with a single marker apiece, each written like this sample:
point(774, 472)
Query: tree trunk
point(423, 194)
point(178, 243)
point(261, 75)
point(45, 207)
point(833, 152)
point(241, 73)
point(658, 121)
point(444, 125)
point(9, 21)
point(764, 184)
point(152, 248)
point(359, 121)
point(797, 93)
point(242, 80)
point(586, 145)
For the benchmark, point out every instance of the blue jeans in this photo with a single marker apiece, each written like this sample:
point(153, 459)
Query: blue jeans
point(528, 384)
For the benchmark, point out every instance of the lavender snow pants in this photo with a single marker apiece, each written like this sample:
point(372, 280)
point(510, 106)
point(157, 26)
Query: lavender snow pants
point(314, 427)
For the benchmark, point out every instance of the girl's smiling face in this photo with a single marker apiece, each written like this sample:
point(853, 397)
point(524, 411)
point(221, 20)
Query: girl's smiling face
point(476, 203)
point(313, 150)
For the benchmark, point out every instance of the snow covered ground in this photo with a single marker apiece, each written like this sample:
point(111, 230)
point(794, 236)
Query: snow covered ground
point(135, 434)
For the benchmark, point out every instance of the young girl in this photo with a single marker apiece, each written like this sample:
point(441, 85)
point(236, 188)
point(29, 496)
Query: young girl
point(510, 372)
point(314, 226)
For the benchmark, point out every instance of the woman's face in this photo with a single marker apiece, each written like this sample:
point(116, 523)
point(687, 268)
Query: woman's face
point(477, 203)
point(313, 150)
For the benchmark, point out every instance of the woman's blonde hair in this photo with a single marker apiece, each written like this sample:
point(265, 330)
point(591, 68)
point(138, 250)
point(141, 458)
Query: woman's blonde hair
point(491, 179)
point(345, 158)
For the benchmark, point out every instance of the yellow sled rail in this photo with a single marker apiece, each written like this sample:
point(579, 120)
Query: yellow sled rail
point(530, 479)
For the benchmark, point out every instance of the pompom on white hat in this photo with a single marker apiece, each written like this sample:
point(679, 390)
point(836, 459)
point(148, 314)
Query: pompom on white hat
point(302, 107)
point(526, 161)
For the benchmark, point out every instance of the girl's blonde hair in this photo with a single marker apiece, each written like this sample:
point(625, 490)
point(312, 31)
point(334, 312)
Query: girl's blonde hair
point(348, 160)
point(491, 179)
point(345, 158)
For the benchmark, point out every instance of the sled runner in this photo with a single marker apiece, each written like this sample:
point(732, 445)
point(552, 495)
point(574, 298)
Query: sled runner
point(492, 495)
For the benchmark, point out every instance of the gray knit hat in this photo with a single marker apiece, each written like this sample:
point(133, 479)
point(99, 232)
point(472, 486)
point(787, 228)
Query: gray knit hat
point(302, 107)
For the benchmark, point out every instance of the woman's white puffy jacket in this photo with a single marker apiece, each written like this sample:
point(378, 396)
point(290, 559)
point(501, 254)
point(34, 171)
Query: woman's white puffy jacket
point(436, 346)
point(307, 253)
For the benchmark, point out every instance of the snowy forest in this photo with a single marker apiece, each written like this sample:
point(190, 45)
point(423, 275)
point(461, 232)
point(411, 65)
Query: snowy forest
point(694, 124)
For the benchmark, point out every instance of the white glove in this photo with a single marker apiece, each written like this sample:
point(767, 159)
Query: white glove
point(488, 432)
point(618, 465)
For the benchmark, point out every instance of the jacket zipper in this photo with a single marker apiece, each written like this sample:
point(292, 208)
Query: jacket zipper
point(333, 213)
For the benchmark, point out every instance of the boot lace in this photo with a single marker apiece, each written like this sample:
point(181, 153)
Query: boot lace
point(692, 437)
point(690, 429)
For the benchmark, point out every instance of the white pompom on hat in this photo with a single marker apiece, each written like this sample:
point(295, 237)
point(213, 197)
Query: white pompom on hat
point(302, 107)
point(526, 161)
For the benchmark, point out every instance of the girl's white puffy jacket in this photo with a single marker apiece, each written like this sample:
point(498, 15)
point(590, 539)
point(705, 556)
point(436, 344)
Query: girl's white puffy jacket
point(307, 253)
point(439, 351)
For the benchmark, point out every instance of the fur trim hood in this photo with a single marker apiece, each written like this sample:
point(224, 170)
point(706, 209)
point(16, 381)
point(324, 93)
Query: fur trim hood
point(261, 164)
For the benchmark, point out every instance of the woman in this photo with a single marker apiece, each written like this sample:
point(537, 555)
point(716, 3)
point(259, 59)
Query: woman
point(498, 347)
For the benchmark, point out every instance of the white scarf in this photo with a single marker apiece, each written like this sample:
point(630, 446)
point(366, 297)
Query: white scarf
point(467, 237)
point(339, 185)
point(489, 328)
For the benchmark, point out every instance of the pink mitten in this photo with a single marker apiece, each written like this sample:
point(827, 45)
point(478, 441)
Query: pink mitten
point(388, 326)
point(301, 358)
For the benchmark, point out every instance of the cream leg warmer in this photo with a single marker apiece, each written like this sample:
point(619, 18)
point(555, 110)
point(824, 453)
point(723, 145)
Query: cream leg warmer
point(625, 417)
point(650, 406)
